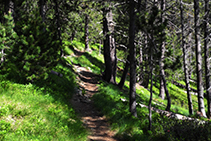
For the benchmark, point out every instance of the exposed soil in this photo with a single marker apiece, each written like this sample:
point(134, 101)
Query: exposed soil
point(92, 119)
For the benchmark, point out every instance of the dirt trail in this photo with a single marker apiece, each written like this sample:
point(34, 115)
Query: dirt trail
point(92, 119)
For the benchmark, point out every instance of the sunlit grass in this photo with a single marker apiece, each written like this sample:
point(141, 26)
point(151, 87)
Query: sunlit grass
point(94, 61)
point(40, 111)
point(110, 100)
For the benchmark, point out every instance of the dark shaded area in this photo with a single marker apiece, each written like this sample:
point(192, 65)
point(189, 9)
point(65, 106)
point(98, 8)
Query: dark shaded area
point(94, 78)
point(76, 52)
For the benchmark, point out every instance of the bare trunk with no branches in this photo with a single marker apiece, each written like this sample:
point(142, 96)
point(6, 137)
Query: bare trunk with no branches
point(198, 60)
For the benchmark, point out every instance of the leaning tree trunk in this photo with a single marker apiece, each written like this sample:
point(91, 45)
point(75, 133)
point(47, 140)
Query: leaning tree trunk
point(198, 60)
point(167, 92)
point(132, 60)
point(86, 33)
point(124, 75)
point(185, 62)
point(206, 55)
point(109, 47)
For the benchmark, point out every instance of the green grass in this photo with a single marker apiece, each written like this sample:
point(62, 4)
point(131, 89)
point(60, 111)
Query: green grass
point(40, 111)
point(92, 61)
point(108, 100)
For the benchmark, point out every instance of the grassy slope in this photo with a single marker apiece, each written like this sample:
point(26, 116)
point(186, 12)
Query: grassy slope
point(40, 111)
point(108, 100)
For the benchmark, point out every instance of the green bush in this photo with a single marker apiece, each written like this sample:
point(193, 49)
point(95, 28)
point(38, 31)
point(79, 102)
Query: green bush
point(36, 49)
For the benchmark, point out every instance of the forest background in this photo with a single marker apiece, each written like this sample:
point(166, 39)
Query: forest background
point(164, 46)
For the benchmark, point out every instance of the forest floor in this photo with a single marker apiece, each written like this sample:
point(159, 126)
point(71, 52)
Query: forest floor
point(96, 123)
point(93, 120)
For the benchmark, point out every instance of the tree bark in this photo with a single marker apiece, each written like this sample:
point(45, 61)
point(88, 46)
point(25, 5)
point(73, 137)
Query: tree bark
point(185, 62)
point(206, 57)
point(198, 60)
point(132, 60)
point(168, 107)
point(58, 26)
point(86, 33)
point(6, 11)
point(151, 92)
point(124, 75)
point(150, 101)
point(41, 4)
point(162, 48)
point(109, 47)
point(146, 70)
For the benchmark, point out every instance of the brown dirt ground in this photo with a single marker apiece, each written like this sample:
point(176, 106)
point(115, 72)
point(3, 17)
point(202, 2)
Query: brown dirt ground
point(93, 120)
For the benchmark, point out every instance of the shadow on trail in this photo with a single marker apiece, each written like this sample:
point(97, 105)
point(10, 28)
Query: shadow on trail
point(93, 60)
point(89, 77)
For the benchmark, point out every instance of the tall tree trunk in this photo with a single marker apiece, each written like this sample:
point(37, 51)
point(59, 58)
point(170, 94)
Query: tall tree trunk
point(86, 33)
point(132, 60)
point(141, 67)
point(124, 75)
point(167, 93)
point(151, 93)
point(150, 100)
point(206, 55)
point(185, 62)
point(41, 5)
point(190, 55)
point(162, 48)
point(109, 47)
point(6, 11)
point(146, 69)
point(58, 26)
point(6, 6)
point(198, 60)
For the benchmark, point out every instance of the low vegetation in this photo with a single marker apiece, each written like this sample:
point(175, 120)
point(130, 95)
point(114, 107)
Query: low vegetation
point(40, 110)
point(113, 102)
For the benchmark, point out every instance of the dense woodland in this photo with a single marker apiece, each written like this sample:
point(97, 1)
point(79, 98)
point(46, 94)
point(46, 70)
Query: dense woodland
point(155, 44)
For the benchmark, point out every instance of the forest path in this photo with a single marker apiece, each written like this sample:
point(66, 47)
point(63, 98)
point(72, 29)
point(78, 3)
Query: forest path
point(95, 122)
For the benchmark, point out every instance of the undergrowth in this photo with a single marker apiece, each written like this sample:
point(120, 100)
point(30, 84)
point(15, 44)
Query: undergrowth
point(40, 110)
point(114, 104)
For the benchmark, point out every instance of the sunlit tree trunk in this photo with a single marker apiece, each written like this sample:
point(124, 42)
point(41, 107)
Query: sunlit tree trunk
point(198, 60)
point(185, 62)
point(6, 11)
point(162, 48)
point(110, 58)
point(206, 55)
